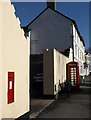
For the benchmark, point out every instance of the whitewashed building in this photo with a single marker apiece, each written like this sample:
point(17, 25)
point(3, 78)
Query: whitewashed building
point(90, 64)
point(78, 49)
point(54, 70)
point(14, 64)
point(87, 64)
point(53, 30)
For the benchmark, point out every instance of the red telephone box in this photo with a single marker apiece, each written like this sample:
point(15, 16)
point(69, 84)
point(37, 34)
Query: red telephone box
point(10, 87)
point(72, 73)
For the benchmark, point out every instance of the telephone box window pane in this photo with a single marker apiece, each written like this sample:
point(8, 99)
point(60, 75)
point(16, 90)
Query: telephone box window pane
point(72, 82)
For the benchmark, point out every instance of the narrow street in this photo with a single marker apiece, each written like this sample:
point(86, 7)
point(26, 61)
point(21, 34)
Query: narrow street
point(75, 106)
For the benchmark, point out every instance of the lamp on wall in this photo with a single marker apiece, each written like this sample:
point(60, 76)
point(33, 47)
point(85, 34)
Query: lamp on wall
point(46, 49)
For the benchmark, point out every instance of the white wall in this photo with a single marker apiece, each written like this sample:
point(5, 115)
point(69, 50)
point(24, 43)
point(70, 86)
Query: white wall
point(87, 60)
point(15, 50)
point(0, 61)
point(54, 70)
point(60, 62)
point(90, 64)
point(50, 30)
point(79, 51)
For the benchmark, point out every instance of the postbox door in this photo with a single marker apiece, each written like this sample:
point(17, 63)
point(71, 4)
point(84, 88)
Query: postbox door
point(10, 87)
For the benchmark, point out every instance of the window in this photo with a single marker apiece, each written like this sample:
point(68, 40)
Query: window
point(76, 50)
point(75, 34)
point(81, 69)
point(80, 54)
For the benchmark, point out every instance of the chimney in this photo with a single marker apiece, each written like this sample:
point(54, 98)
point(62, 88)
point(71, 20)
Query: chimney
point(51, 4)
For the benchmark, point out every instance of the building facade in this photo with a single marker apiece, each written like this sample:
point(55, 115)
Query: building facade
point(79, 50)
point(53, 30)
point(87, 64)
point(14, 62)
point(54, 71)
point(90, 64)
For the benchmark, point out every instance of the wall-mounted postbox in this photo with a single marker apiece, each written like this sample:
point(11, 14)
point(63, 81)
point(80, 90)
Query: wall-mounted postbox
point(10, 87)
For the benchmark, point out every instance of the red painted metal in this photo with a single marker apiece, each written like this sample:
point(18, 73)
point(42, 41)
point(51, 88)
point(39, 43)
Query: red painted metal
point(72, 73)
point(10, 87)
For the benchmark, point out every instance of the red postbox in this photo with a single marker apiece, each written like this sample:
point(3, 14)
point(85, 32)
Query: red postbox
point(72, 73)
point(10, 87)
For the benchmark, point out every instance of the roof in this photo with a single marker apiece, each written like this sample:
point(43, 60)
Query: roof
point(26, 28)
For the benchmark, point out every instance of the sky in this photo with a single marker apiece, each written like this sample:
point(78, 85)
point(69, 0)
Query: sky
point(79, 11)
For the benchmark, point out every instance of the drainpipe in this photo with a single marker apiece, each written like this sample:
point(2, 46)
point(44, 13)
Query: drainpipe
point(72, 41)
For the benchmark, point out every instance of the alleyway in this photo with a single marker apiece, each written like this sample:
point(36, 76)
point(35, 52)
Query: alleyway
point(75, 106)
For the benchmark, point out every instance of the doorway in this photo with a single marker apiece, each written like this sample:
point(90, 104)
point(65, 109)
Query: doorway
point(36, 76)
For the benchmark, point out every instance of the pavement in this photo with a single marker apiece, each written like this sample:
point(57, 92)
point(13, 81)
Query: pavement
point(74, 106)
point(38, 102)
point(38, 105)
point(77, 105)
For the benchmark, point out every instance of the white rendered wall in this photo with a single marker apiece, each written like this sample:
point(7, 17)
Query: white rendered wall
point(15, 50)
point(0, 61)
point(79, 51)
point(90, 63)
point(54, 70)
point(60, 62)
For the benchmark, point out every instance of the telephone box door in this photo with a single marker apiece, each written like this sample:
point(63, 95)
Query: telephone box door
point(10, 87)
point(73, 73)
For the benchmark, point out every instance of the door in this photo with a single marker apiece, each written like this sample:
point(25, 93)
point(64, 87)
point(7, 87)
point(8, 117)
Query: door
point(72, 73)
